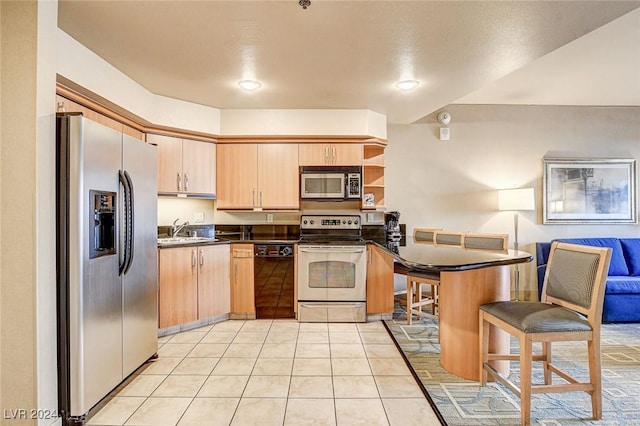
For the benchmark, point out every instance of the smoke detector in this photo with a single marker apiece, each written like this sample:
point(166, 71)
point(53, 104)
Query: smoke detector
point(444, 118)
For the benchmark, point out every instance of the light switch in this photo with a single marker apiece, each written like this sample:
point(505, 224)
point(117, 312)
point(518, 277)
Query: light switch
point(444, 133)
point(269, 217)
point(198, 217)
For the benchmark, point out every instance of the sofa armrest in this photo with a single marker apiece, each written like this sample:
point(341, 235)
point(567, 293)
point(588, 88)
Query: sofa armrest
point(542, 257)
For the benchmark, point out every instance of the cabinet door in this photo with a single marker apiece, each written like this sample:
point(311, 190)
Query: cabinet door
point(242, 291)
point(314, 154)
point(237, 172)
point(340, 154)
point(178, 282)
point(198, 167)
point(214, 297)
point(170, 177)
point(278, 176)
point(379, 281)
point(346, 154)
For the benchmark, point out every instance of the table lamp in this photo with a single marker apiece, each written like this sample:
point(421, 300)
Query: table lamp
point(519, 199)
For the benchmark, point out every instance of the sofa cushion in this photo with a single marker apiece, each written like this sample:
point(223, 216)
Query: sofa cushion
point(623, 285)
point(631, 250)
point(618, 265)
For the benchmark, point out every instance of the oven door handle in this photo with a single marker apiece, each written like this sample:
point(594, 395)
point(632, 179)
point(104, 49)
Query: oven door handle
point(330, 249)
point(330, 305)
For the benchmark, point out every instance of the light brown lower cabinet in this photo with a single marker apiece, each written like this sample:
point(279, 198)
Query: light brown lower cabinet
point(194, 283)
point(178, 282)
point(243, 304)
point(379, 281)
point(214, 296)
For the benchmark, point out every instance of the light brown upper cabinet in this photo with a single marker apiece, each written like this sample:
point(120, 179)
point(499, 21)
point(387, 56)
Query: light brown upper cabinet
point(185, 166)
point(258, 176)
point(337, 154)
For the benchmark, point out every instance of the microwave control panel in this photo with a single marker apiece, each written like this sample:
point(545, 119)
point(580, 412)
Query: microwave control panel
point(353, 185)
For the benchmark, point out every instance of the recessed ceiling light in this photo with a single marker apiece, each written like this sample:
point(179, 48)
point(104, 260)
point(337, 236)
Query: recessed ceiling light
point(249, 84)
point(407, 84)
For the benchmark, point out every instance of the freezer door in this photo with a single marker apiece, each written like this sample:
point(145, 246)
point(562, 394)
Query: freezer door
point(140, 281)
point(94, 289)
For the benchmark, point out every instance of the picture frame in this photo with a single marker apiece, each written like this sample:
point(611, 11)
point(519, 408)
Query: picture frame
point(578, 190)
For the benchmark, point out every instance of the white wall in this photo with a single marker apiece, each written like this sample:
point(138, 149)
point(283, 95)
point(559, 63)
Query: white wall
point(88, 70)
point(185, 209)
point(452, 184)
point(309, 122)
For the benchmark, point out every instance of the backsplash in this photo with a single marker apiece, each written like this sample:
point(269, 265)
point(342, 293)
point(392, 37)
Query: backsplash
point(203, 212)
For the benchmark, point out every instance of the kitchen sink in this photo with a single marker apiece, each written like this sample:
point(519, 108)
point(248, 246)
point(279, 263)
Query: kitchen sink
point(185, 240)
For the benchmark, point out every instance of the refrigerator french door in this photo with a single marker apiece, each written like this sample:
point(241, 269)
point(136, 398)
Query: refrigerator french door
point(107, 260)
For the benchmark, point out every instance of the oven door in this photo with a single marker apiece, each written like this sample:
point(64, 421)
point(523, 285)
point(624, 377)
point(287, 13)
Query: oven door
point(332, 273)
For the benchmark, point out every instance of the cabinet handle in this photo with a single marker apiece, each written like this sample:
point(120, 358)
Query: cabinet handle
point(333, 152)
point(326, 154)
point(260, 198)
point(235, 273)
point(253, 197)
point(201, 257)
point(193, 258)
point(186, 182)
point(369, 255)
point(179, 182)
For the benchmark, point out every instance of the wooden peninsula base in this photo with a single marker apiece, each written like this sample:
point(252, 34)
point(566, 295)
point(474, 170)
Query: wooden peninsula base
point(460, 295)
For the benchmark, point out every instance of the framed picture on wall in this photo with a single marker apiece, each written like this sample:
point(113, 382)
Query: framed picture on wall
point(589, 190)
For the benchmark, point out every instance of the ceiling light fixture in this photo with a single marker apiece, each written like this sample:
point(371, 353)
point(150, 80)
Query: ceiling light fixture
point(249, 84)
point(304, 3)
point(407, 84)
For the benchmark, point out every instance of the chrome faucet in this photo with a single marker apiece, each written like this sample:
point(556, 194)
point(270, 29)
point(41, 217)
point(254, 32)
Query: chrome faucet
point(175, 228)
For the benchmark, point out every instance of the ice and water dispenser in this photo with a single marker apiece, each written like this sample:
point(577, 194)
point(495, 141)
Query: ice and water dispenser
point(102, 223)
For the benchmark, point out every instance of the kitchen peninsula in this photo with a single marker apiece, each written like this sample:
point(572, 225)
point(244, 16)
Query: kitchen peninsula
point(467, 280)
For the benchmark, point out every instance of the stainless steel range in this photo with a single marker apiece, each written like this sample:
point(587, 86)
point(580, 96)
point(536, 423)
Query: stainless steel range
point(332, 269)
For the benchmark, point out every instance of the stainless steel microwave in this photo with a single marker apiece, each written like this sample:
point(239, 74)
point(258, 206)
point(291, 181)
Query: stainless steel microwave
point(330, 183)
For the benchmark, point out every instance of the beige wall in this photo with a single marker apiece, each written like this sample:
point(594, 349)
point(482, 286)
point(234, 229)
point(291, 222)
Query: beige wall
point(452, 184)
point(27, 224)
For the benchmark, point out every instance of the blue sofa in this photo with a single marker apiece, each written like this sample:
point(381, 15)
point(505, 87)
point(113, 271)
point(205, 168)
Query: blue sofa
point(622, 294)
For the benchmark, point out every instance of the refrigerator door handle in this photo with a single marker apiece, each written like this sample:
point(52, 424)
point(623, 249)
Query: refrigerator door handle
point(130, 222)
point(125, 246)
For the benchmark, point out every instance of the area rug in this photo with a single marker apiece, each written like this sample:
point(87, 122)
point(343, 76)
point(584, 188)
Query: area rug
point(462, 402)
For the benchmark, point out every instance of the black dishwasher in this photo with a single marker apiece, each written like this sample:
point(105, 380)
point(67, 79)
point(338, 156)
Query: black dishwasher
point(273, 280)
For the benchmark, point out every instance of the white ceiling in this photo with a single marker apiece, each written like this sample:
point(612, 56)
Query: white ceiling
point(349, 54)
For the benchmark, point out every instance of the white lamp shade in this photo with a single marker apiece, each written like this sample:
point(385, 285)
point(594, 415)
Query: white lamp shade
point(516, 199)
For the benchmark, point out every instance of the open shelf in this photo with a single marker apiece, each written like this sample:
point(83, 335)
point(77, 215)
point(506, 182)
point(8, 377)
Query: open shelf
point(373, 177)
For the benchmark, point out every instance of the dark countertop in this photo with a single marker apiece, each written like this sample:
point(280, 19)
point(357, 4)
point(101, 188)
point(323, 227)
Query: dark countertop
point(410, 256)
point(426, 258)
point(208, 242)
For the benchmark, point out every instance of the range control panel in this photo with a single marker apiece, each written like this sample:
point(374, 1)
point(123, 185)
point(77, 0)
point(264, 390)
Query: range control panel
point(340, 222)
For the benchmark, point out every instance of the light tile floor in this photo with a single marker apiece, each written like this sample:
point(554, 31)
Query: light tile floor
point(272, 372)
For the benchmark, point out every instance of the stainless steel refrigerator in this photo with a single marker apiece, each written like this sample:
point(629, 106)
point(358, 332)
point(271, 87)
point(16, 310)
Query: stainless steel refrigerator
point(107, 260)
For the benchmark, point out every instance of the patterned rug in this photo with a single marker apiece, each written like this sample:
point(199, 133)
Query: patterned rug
point(463, 402)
